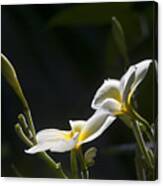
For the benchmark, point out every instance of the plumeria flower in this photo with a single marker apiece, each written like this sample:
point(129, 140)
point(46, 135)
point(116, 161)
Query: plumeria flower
point(81, 132)
point(115, 95)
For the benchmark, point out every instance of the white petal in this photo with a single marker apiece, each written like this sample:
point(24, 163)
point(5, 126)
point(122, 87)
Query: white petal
point(39, 148)
point(112, 106)
point(126, 82)
point(64, 145)
point(54, 140)
point(103, 127)
point(77, 125)
point(141, 71)
point(109, 89)
point(50, 135)
point(93, 124)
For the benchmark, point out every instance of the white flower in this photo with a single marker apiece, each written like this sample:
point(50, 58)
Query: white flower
point(81, 132)
point(115, 95)
point(111, 99)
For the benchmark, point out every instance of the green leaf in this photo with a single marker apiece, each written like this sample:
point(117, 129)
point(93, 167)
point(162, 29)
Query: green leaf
point(119, 38)
point(9, 73)
point(89, 156)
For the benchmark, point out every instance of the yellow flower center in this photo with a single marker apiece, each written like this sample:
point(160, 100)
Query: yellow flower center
point(68, 136)
point(124, 109)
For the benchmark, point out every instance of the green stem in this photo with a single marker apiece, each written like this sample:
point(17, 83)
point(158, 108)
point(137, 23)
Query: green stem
point(142, 145)
point(84, 168)
point(24, 126)
point(140, 170)
point(56, 167)
point(23, 122)
point(153, 173)
point(145, 127)
point(27, 113)
point(74, 164)
point(22, 136)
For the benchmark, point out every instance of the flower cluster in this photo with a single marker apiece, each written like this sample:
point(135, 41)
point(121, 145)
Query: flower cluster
point(112, 99)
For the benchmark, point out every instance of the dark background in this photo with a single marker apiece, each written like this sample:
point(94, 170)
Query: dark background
point(62, 53)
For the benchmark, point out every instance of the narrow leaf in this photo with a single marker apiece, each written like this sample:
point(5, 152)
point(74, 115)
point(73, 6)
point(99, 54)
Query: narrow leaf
point(10, 75)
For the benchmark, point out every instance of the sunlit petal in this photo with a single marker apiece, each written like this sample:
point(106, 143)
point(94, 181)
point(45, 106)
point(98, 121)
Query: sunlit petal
point(77, 125)
point(51, 135)
point(141, 71)
point(112, 106)
point(39, 148)
point(54, 140)
point(93, 124)
point(126, 82)
point(109, 89)
point(100, 131)
point(65, 145)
